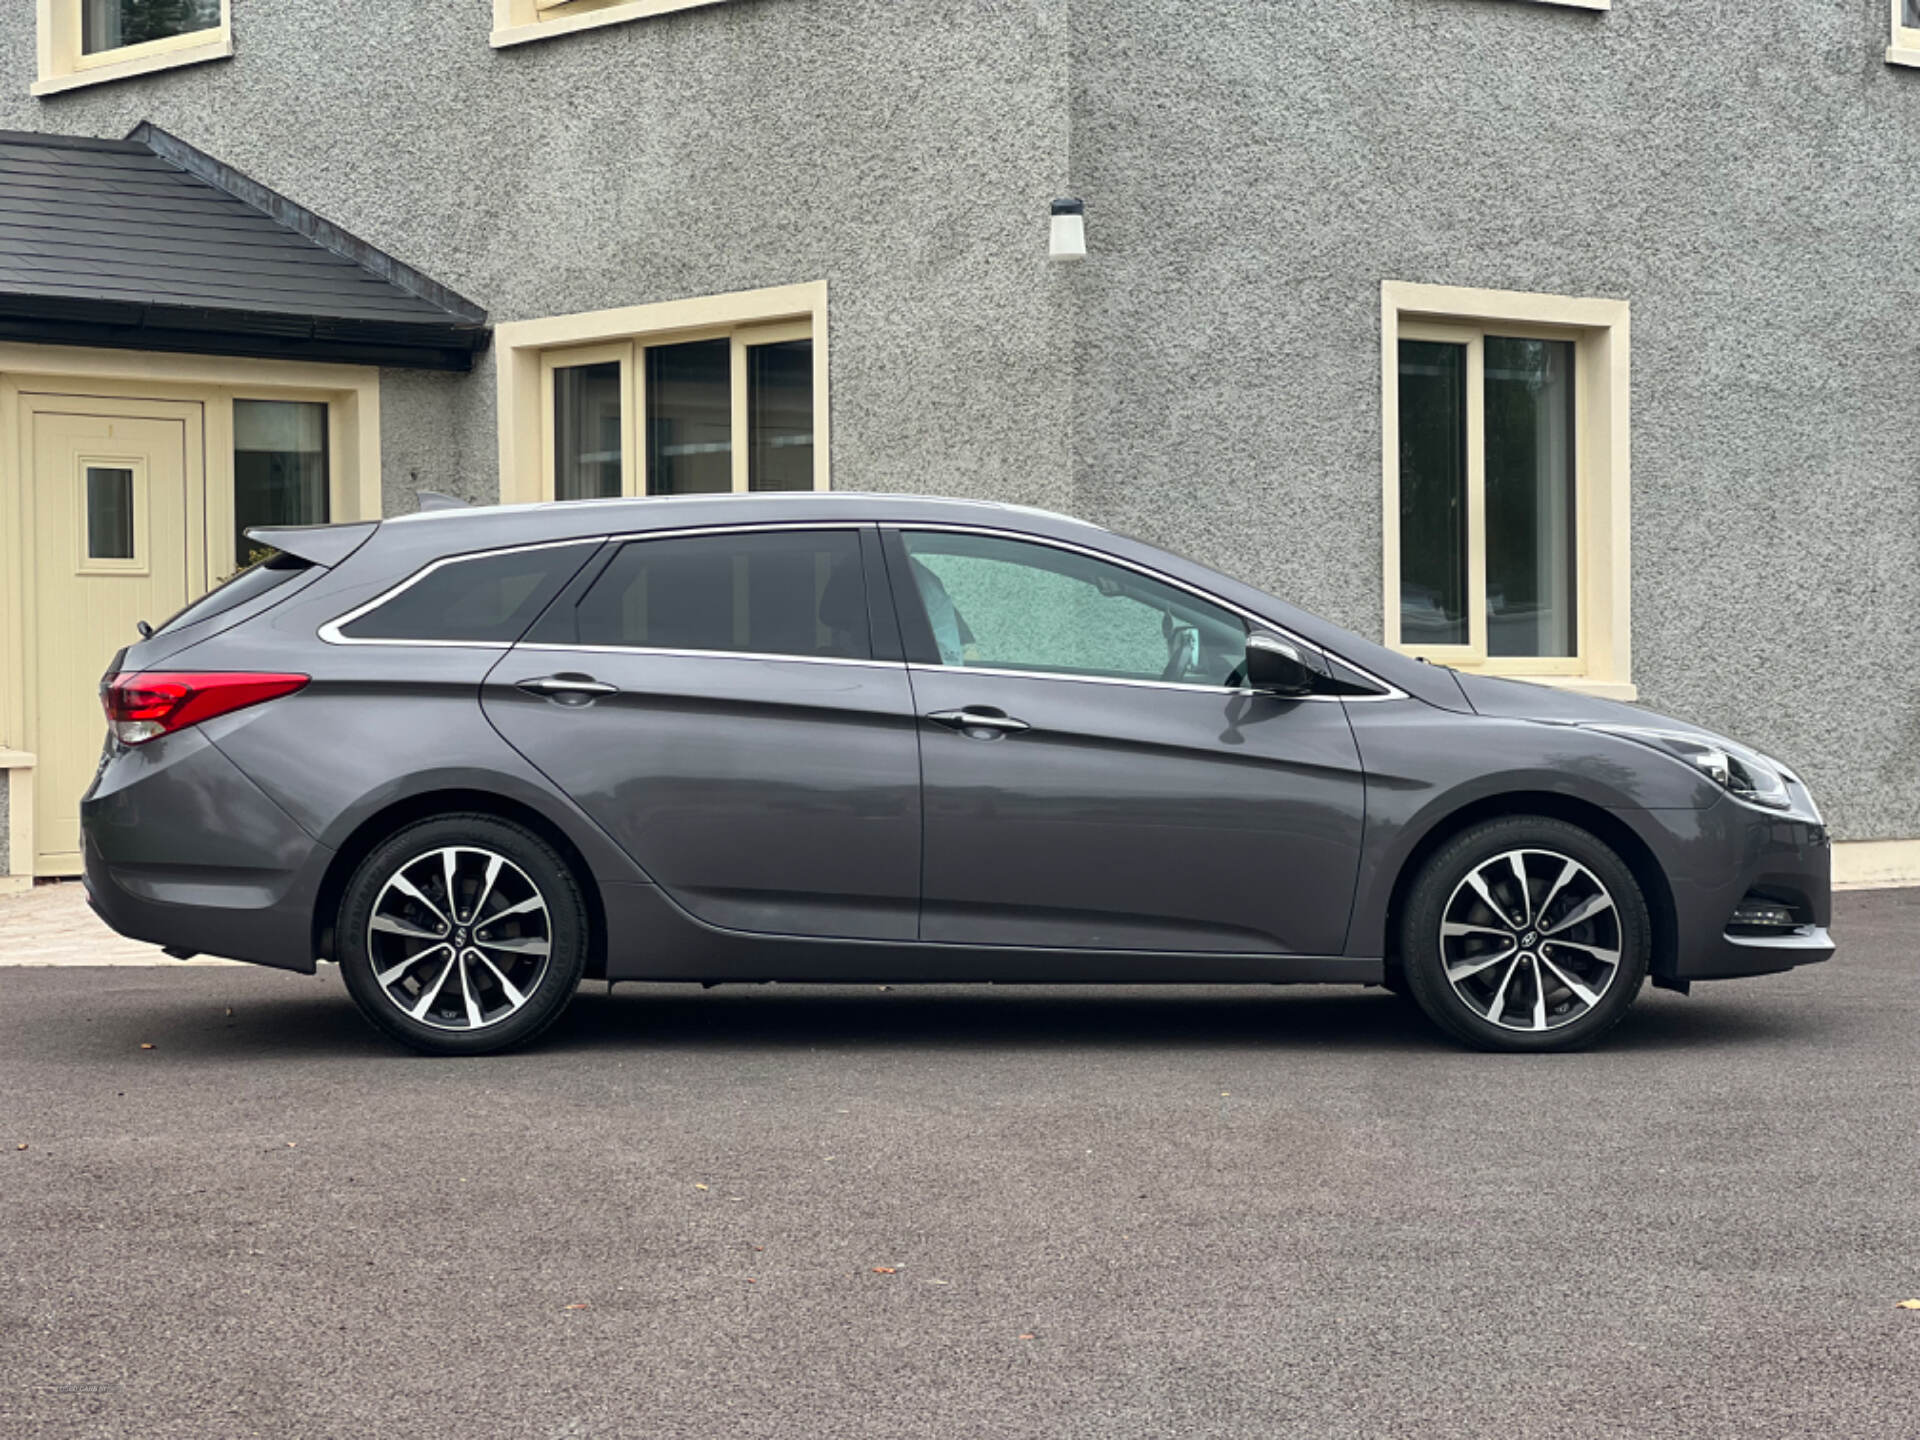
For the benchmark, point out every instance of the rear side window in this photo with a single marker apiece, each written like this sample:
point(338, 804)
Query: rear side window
point(478, 600)
point(797, 592)
point(248, 584)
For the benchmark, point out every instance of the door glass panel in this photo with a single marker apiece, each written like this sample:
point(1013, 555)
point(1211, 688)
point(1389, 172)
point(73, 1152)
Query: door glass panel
point(780, 416)
point(586, 432)
point(279, 468)
point(690, 418)
point(109, 513)
point(798, 592)
point(110, 24)
point(1530, 509)
point(1433, 493)
point(1911, 15)
point(1011, 605)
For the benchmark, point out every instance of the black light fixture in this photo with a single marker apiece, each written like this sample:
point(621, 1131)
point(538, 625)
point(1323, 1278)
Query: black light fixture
point(1068, 237)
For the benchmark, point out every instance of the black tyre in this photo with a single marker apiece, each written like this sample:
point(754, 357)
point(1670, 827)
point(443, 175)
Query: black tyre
point(1525, 933)
point(462, 935)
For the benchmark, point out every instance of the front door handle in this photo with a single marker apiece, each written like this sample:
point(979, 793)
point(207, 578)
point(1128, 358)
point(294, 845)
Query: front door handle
point(577, 688)
point(984, 719)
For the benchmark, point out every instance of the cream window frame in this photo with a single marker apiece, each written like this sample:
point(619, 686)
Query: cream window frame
point(1904, 49)
point(85, 561)
point(64, 67)
point(1578, 4)
point(530, 351)
point(515, 22)
point(1600, 332)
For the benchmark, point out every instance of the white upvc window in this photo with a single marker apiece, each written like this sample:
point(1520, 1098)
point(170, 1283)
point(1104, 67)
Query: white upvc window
point(1505, 463)
point(717, 395)
point(515, 22)
point(1905, 46)
point(88, 42)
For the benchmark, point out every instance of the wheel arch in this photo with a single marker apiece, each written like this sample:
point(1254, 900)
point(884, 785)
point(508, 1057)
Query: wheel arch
point(381, 823)
point(1600, 822)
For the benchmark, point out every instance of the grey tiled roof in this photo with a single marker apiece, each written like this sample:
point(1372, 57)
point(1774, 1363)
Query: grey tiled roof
point(89, 228)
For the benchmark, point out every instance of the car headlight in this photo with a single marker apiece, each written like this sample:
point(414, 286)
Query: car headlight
point(1745, 774)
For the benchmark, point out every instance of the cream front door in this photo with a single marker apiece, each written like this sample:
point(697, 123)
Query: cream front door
point(117, 499)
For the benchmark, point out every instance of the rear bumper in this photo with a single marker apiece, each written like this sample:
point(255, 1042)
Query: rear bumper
point(1736, 851)
point(182, 850)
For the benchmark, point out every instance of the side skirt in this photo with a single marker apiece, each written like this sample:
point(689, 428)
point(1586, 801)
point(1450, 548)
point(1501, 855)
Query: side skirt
point(651, 938)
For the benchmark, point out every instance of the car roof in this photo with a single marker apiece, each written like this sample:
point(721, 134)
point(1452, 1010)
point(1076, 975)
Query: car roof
point(629, 513)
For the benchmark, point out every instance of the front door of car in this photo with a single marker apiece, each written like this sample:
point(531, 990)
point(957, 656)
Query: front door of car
point(1094, 775)
point(717, 703)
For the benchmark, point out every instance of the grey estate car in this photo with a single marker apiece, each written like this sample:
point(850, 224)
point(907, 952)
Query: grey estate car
point(476, 755)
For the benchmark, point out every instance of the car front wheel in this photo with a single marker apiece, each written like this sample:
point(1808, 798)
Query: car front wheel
point(1525, 933)
point(463, 934)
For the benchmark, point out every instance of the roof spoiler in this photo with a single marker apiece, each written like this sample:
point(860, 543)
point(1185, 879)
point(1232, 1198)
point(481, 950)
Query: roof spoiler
point(322, 545)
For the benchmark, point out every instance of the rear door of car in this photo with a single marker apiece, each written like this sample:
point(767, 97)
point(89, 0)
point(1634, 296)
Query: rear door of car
point(732, 706)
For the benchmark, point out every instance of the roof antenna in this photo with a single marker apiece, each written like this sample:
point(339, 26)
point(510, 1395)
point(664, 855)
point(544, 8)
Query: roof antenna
point(434, 500)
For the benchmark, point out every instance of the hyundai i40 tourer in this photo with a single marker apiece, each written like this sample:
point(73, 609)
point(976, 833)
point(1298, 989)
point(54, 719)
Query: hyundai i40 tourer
point(474, 756)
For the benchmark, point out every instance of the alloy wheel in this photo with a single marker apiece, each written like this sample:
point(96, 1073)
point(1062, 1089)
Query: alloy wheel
point(1530, 940)
point(460, 938)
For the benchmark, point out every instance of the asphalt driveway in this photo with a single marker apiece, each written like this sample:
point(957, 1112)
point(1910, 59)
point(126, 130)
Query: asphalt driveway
point(853, 1212)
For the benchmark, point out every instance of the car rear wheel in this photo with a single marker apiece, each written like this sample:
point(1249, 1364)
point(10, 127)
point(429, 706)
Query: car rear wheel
point(463, 934)
point(1525, 933)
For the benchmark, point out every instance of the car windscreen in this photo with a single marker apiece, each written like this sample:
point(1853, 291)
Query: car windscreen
point(268, 573)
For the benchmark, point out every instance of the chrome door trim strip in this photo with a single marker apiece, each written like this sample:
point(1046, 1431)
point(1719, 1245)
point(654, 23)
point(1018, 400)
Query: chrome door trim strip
point(1114, 680)
point(1393, 692)
point(671, 653)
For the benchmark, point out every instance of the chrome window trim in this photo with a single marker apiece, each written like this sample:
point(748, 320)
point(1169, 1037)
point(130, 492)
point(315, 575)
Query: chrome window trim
point(672, 653)
point(330, 632)
point(1391, 691)
point(1099, 680)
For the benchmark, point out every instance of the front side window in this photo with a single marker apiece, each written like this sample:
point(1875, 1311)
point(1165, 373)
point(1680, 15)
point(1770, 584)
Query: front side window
point(279, 468)
point(787, 592)
point(483, 600)
point(1006, 604)
point(717, 414)
point(84, 42)
point(1487, 496)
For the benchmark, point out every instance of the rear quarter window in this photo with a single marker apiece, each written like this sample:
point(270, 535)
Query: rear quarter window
point(486, 599)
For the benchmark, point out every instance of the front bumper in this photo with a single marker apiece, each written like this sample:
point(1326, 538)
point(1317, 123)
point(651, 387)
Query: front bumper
point(182, 850)
point(1727, 853)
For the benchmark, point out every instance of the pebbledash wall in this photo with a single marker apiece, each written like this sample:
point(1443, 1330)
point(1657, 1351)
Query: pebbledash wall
point(1211, 376)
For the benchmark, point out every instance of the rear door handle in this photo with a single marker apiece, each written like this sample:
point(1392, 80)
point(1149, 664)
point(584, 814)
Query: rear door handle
point(979, 717)
point(585, 687)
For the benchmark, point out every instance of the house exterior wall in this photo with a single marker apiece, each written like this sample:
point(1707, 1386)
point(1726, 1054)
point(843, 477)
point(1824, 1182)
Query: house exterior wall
point(1210, 377)
point(904, 153)
point(1254, 172)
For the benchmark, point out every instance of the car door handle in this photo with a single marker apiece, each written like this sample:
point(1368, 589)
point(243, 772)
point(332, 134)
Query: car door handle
point(979, 717)
point(556, 686)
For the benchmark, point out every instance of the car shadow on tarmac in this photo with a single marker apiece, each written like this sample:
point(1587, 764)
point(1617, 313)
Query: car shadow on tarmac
point(320, 1023)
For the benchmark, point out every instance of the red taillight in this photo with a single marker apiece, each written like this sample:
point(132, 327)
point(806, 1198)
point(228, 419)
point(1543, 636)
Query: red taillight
point(145, 705)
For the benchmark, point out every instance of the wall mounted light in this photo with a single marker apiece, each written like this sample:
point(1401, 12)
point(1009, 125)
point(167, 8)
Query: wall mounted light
point(1068, 239)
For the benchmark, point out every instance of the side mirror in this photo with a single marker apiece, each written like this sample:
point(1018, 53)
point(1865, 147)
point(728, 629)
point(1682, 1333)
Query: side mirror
point(1274, 666)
